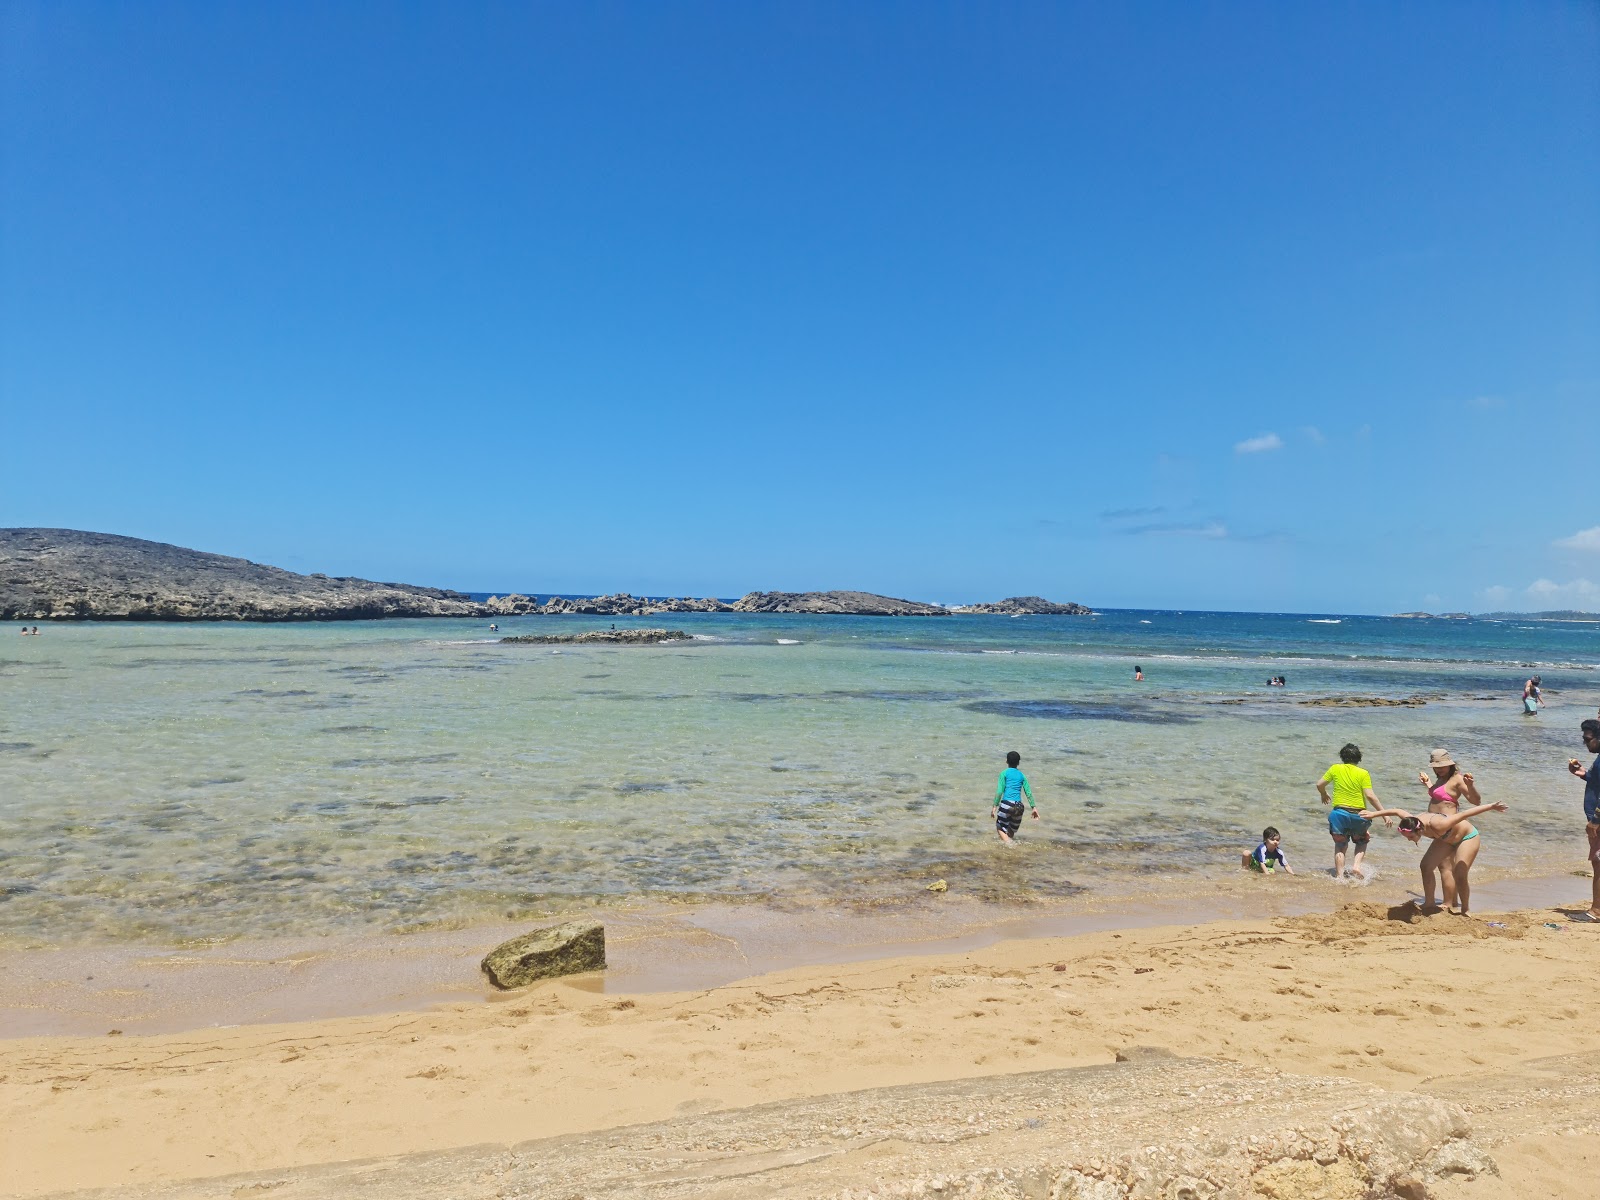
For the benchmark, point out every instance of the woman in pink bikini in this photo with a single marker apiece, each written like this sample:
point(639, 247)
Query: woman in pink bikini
point(1445, 792)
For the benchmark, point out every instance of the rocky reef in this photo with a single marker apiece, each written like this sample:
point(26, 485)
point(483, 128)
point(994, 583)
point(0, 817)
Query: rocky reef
point(616, 637)
point(1017, 606)
point(622, 604)
point(68, 574)
point(853, 604)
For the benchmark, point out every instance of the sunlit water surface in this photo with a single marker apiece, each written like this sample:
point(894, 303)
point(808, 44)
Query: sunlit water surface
point(179, 782)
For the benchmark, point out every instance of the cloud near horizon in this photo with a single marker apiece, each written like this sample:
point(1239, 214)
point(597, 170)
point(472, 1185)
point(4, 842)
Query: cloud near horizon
point(1208, 529)
point(1259, 445)
point(1545, 594)
point(1585, 539)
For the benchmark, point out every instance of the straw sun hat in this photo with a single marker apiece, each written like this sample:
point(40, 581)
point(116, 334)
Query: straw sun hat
point(1441, 758)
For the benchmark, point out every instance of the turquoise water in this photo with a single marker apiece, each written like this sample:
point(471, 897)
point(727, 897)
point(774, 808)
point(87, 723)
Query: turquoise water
point(172, 782)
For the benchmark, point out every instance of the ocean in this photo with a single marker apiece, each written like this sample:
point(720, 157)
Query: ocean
point(176, 784)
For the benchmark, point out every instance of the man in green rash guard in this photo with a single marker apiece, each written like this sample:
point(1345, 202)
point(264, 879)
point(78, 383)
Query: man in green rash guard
point(1008, 794)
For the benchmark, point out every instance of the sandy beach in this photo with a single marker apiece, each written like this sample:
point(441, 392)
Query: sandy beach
point(1362, 994)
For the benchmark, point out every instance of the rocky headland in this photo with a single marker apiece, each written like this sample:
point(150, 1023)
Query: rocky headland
point(68, 574)
point(71, 574)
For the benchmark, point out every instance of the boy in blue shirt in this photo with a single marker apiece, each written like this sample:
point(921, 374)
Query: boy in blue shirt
point(1268, 856)
point(1008, 794)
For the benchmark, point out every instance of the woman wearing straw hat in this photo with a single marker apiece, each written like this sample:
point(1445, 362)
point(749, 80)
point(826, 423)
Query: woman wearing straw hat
point(1446, 790)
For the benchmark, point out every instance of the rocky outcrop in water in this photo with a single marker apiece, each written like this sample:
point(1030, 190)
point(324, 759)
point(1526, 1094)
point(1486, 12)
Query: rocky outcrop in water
point(623, 605)
point(854, 604)
point(68, 574)
point(566, 949)
point(617, 637)
point(1017, 606)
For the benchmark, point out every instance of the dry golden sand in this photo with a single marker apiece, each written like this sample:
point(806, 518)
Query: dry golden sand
point(1356, 993)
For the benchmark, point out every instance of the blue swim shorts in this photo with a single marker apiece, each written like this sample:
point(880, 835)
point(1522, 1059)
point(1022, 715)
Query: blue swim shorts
point(1347, 824)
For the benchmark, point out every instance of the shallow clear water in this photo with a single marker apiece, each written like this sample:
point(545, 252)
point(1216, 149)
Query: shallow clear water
point(169, 782)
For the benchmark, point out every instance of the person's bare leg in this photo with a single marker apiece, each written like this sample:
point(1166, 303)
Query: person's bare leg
point(1594, 869)
point(1355, 860)
point(1430, 866)
point(1466, 854)
point(1338, 860)
point(1429, 882)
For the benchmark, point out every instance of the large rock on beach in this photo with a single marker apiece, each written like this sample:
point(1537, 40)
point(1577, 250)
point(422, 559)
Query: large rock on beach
point(853, 604)
point(568, 949)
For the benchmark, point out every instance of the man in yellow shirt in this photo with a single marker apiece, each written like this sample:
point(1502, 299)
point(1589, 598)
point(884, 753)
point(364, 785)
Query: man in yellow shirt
point(1347, 819)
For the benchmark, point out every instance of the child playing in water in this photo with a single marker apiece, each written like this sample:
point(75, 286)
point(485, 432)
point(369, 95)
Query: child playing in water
point(1352, 788)
point(1008, 794)
point(1268, 856)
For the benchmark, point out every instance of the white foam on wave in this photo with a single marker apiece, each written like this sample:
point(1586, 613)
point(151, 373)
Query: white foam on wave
point(998, 651)
point(1142, 621)
point(1325, 621)
point(704, 637)
point(788, 642)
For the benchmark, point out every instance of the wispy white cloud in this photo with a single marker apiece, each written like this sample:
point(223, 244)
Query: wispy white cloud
point(1587, 540)
point(1487, 402)
point(1259, 445)
point(1124, 514)
point(1364, 432)
point(1315, 434)
point(1207, 529)
point(1580, 594)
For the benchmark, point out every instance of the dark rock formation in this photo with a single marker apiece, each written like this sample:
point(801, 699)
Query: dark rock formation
point(856, 604)
point(66, 574)
point(624, 637)
point(1026, 605)
point(623, 605)
point(546, 953)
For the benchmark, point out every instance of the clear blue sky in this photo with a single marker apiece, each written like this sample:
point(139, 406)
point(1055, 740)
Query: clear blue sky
point(1256, 306)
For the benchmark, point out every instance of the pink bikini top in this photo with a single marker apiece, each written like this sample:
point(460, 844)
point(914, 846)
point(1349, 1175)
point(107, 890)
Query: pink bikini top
point(1443, 796)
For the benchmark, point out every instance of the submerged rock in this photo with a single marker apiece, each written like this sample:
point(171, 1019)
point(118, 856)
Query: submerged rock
point(559, 950)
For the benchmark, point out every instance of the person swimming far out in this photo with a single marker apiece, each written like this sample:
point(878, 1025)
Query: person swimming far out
point(1138, 674)
point(1008, 793)
point(1454, 833)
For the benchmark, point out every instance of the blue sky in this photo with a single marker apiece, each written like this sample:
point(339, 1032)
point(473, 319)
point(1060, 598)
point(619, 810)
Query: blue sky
point(1254, 306)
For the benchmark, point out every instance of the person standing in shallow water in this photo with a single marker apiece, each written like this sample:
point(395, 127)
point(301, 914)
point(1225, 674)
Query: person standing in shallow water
point(1008, 793)
point(1352, 790)
point(1532, 701)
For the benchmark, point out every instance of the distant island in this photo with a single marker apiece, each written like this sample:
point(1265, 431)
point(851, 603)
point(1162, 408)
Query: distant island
point(1557, 614)
point(71, 574)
